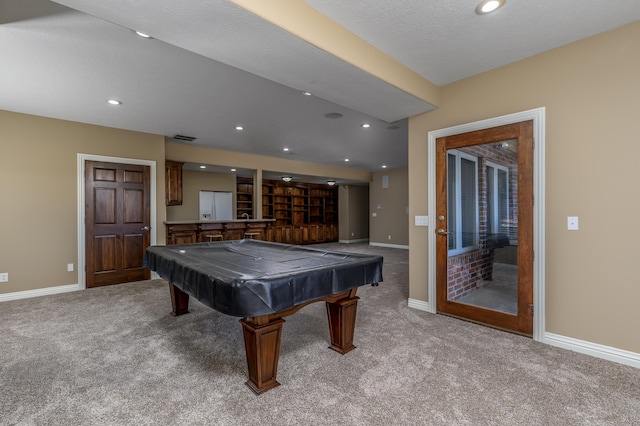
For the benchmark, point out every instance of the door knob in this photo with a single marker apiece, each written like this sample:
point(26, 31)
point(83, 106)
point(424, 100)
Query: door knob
point(443, 232)
point(145, 228)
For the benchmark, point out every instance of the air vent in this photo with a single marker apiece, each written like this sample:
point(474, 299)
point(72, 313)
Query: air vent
point(184, 138)
point(333, 115)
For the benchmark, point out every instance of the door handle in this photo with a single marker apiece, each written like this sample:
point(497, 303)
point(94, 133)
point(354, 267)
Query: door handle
point(443, 232)
point(145, 228)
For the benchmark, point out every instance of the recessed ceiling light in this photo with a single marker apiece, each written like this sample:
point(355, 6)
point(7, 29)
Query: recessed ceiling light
point(203, 167)
point(331, 182)
point(114, 102)
point(287, 178)
point(306, 93)
point(233, 170)
point(346, 160)
point(285, 149)
point(239, 128)
point(488, 6)
point(365, 125)
point(143, 35)
point(384, 166)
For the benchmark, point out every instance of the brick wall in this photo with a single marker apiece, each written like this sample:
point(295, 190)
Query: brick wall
point(466, 270)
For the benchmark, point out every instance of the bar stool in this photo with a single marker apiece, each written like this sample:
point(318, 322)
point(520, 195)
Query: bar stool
point(251, 235)
point(214, 237)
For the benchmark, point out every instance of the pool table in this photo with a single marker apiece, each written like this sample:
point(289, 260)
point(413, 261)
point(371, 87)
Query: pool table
point(263, 282)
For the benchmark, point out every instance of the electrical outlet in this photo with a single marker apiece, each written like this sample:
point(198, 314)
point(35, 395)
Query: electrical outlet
point(388, 237)
point(69, 267)
point(4, 277)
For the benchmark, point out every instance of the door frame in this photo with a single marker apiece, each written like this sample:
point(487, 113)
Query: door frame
point(82, 158)
point(538, 117)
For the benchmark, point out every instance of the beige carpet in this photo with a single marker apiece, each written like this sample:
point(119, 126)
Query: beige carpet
point(114, 356)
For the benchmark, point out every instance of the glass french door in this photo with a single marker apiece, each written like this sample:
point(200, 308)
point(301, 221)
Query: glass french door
point(484, 226)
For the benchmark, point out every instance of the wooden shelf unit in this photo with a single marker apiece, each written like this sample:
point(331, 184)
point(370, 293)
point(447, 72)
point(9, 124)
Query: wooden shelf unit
point(267, 201)
point(244, 197)
point(304, 213)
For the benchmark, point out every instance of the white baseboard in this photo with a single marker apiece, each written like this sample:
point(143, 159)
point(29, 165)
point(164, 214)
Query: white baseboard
point(594, 349)
point(398, 246)
point(39, 292)
point(420, 305)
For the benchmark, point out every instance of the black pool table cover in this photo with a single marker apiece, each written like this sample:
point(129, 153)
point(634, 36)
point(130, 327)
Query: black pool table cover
point(248, 278)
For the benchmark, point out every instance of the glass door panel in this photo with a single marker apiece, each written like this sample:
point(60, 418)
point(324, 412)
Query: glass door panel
point(482, 239)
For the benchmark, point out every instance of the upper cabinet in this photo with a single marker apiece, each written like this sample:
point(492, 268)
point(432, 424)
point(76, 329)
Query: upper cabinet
point(173, 183)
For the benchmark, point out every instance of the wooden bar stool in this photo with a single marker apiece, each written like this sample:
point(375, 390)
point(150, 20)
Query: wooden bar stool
point(214, 237)
point(251, 235)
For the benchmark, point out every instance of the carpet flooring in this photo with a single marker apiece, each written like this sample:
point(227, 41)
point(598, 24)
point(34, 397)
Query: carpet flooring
point(115, 356)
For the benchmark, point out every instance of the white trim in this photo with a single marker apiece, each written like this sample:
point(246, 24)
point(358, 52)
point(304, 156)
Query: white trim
point(27, 294)
point(458, 231)
point(420, 305)
point(538, 117)
point(594, 349)
point(81, 206)
point(495, 203)
point(396, 246)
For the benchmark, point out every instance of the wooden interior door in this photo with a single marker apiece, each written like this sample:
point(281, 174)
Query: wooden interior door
point(484, 204)
point(117, 222)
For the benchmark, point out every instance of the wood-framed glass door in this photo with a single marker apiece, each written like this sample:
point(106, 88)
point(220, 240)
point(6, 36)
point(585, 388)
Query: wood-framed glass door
point(484, 226)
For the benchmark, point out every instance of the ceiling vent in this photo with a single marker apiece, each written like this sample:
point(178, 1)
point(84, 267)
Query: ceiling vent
point(184, 138)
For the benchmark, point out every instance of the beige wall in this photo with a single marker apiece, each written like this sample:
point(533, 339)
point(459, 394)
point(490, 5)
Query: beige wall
point(39, 193)
point(590, 90)
point(391, 218)
point(353, 209)
point(192, 183)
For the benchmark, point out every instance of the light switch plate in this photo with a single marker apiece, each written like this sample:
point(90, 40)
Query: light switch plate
point(572, 223)
point(422, 220)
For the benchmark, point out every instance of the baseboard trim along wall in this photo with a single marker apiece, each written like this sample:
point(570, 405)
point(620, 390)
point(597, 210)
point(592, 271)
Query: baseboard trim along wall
point(594, 349)
point(396, 246)
point(581, 346)
point(420, 305)
point(361, 240)
point(39, 292)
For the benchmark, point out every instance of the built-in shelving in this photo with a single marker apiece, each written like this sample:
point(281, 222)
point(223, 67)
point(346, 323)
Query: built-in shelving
point(302, 212)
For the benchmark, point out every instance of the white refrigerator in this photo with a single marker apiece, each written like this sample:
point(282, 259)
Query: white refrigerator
point(216, 205)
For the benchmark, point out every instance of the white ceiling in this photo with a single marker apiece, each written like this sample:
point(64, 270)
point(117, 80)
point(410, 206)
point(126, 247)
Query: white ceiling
point(212, 65)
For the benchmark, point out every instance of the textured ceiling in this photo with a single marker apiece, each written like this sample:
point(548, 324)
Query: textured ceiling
point(213, 65)
point(446, 41)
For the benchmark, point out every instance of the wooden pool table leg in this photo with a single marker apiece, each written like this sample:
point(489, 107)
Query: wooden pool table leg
point(342, 322)
point(179, 301)
point(262, 346)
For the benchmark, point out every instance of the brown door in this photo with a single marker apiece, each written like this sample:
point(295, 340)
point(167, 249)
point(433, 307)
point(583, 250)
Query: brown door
point(117, 211)
point(484, 226)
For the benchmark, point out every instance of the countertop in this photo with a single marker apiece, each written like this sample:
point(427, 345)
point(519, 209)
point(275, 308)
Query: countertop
point(196, 221)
